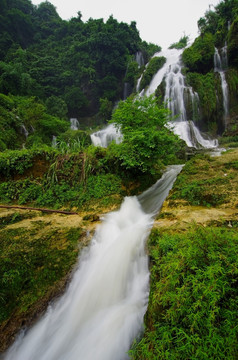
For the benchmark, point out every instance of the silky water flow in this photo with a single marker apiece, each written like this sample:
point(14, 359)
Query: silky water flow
point(102, 311)
point(177, 93)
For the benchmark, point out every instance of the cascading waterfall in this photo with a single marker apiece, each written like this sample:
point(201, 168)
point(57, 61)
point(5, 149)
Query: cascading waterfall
point(102, 310)
point(127, 90)
point(24, 131)
point(176, 94)
point(139, 58)
point(138, 83)
point(220, 66)
point(74, 124)
point(105, 136)
point(54, 141)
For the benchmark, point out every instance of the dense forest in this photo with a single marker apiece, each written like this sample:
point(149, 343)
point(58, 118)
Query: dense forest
point(60, 69)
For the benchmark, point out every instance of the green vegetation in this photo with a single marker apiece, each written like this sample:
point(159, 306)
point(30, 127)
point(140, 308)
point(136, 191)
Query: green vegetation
point(199, 56)
point(19, 115)
point(73, 173)
point(68, 65)
point(193, 302)
point(153, 66)
point(208, 87)
point(199, 187)
point(182, 43)
point(31, 264)
point(232, 41)
point(148, 144)
point(57, 178)
point(216, 21)
point(132, 74)
point(229, 141)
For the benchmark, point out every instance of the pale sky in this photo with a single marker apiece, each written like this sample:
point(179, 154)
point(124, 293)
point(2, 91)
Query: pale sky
point(162, 22)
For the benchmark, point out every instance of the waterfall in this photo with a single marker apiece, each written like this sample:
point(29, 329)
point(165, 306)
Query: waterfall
point(220, 66)
point(138, 83)
point(172, 57)
point(102, 311)
point(74, 124)
point(177, 95)
point(54, 141)
point(139, 58)
point(105, 136)
point(127, 90)
point(24, 131)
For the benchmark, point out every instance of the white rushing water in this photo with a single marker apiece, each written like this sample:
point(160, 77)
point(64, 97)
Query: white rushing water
point(24, 131)
point(105, 136)
point(220, 66)
point(176, 95)
point(54, 141)
point(139, 58)
point(102, 310)
point(74, 124)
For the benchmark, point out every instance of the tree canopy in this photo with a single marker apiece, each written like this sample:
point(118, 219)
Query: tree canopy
point(147, 141)
point(79, 62)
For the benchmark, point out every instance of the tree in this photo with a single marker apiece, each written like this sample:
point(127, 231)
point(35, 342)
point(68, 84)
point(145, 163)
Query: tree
point(56, 106)
point(147, 142)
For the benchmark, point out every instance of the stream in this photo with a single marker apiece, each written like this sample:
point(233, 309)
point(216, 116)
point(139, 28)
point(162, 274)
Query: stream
point(102, 311)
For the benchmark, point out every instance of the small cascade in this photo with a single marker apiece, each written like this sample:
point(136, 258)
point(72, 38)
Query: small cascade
point(24, 131)
point(174, 93)
point(220, 66)
point(224, 57)
point(138, 83)
point(32, 129)
point(74, 124)
point(54, 141)
point(105, 136)
point(188, 132)
point(177, 97)
point(140, 59)
point(127, 90)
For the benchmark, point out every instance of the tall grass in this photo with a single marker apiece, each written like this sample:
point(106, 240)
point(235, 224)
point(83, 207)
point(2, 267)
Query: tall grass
point(193, 304)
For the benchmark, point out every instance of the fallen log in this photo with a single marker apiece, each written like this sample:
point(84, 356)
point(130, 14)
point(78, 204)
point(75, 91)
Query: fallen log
point(38, 209)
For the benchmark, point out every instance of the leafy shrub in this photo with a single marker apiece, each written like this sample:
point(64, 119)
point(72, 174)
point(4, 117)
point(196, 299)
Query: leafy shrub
point(199, 56)
point(147, 142)
point(183, 41)
point(15, 162)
